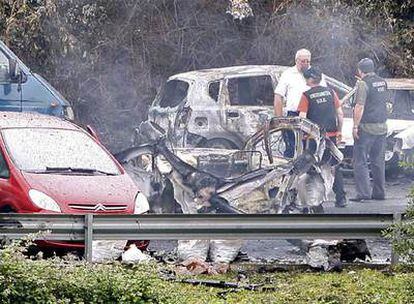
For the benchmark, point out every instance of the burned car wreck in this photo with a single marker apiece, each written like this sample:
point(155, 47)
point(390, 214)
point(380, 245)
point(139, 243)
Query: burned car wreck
point(218, 108)
point(255, 179)
point(223, 107)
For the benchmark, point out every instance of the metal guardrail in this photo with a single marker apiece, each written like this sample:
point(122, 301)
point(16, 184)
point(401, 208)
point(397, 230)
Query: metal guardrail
point(85, 228)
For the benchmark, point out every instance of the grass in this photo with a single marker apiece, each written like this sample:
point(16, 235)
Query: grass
point(360, 286)
point(62, 281)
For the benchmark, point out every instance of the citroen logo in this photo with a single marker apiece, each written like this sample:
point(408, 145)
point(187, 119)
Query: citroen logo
point(100, 207)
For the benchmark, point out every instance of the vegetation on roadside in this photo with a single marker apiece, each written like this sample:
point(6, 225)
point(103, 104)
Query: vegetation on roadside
point(401, 235)
point(68, 281)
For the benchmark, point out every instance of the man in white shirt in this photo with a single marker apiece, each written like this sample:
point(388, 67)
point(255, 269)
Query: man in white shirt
point(289, 89)
point(292, 84)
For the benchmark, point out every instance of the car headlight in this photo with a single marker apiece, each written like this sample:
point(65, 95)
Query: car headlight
point(43, 201)
point(141, 204)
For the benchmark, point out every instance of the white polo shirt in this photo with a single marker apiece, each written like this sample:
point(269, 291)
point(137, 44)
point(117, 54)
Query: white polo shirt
point(291, 86)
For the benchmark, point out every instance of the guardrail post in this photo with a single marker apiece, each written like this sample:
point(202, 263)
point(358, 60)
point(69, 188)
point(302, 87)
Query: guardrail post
point(88, 237)
point(394, 256)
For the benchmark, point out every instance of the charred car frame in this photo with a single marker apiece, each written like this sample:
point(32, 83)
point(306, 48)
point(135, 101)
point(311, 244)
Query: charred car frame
point(255, 179)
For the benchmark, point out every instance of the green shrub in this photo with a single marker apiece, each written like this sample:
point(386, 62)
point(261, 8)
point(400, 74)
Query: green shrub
point(65, 281)
point(401, 234)
point(59, 281)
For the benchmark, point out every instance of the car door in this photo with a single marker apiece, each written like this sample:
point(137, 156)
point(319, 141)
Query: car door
point(10, 91)
point(248, 104)
point(168, 103)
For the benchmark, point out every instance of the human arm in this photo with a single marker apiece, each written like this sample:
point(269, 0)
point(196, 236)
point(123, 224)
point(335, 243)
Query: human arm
point(339, 116)
point(278, 105)
point(358, 111)
point(280, 94)
point(303, 106)
point(360, 99)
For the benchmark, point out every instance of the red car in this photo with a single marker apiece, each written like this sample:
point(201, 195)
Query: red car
point(49, 165)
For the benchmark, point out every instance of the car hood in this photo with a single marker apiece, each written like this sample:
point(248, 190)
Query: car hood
point(83, 193)
point(394, 126)
point(407, 138)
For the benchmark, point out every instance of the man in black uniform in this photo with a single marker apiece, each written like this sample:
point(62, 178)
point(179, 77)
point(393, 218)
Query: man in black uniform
point(322, 106)
point(369, 131)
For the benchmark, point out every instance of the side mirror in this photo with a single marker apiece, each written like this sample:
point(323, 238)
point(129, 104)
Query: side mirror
point(13, 69)
point(92, 132)
point(15, 73)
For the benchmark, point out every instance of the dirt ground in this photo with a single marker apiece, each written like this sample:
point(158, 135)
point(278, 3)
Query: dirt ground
point(265, 251)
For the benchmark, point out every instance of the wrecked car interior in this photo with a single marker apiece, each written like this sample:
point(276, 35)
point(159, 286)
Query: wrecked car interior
point(255, 179)
point(256, 175)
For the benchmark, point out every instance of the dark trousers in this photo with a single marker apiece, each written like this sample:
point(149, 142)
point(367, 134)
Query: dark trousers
point(338, 185)
point(289, 138)
point(369, 147)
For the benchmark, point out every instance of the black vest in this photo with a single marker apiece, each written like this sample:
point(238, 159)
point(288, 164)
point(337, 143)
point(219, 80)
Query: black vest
point(375, 109)
point(322, 108)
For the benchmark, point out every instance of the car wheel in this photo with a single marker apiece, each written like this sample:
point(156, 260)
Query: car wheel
point(392, 168)
point(220, 143)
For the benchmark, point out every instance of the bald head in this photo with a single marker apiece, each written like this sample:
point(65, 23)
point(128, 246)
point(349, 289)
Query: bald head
point(303, 59)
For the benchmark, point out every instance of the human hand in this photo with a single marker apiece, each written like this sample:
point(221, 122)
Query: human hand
point(355, 133)
point(338, 137)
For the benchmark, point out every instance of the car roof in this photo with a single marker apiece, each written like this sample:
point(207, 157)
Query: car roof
point(400, 83)
point(220, 73)
point(33, 120)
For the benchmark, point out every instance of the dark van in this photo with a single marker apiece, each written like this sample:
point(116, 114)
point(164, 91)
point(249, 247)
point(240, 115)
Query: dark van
point(24, 91)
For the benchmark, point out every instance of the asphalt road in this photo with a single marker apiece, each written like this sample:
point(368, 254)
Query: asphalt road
point(396, 198)
point(282, 251)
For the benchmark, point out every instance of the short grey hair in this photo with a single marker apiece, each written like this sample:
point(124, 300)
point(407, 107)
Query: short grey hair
point(302, 52)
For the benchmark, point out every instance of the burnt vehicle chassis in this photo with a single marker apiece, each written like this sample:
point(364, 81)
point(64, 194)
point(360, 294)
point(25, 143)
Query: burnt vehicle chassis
point(256, 179)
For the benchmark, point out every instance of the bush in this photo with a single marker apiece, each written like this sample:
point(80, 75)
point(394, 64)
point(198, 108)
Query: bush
point(402, 235)
point(59, 281)
point(66, 281)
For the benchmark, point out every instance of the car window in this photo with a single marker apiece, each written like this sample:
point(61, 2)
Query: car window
point(251, 91)
point(4, 169)
point(4, 68)
point(174, 92)
point(214, 89)
point(36, 149)
point(401, 104)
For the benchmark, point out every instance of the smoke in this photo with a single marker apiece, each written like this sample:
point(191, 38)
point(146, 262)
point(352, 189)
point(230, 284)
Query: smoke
point(108, 57)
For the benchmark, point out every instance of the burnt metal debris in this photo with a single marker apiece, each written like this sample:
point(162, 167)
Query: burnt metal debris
point(169, 275)
point(255, 179)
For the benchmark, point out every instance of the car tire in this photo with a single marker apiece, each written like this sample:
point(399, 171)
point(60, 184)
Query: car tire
point(392, 168)
point(220, 143)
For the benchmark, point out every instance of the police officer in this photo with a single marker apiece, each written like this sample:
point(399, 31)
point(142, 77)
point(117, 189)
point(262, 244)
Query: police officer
point(369, 131)
point(322, 106)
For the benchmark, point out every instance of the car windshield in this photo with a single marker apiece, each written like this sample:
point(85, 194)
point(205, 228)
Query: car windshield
point(43, 150)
